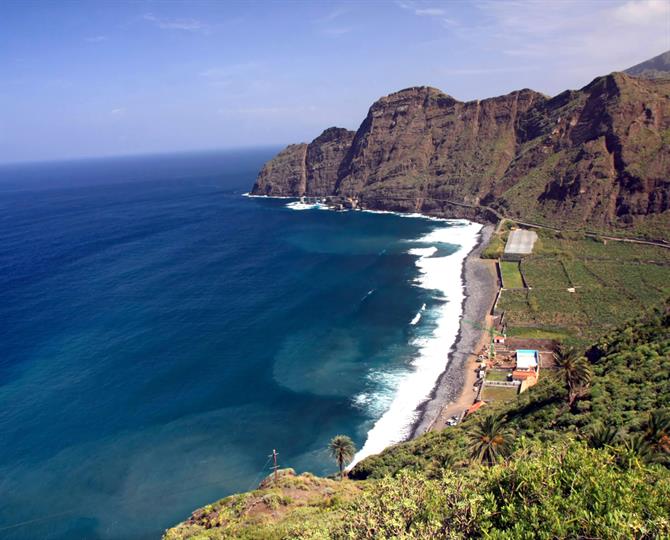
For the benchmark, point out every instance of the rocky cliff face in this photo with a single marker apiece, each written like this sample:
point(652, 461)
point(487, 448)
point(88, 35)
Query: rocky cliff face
point(598, 157)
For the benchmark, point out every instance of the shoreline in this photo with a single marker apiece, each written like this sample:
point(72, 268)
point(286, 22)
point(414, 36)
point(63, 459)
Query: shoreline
point(453, 391)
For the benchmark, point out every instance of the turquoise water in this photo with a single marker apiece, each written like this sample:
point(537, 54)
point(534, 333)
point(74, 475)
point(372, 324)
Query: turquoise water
point(161, 334)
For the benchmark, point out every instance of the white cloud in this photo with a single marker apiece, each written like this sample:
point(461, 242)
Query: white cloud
point(578, 38)
point(119, 111)
point(430, 12)
point(421, 9)
point(95, 39)
point(644, 12)
point(190, 25)
point(334, 14)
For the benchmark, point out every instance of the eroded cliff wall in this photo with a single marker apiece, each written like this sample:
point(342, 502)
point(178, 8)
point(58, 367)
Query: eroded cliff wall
point(597, 157)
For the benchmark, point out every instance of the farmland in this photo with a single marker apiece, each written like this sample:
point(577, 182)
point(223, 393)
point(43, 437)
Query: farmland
point(581, 287)
point(499, 393)
point(510, 275)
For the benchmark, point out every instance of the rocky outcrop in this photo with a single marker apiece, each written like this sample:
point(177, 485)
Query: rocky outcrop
point(284, 175)
point(306, 169)
point(324, 157)
point(597, 157)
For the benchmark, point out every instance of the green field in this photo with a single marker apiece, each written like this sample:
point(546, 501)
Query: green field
point(497, 375)
point(510, 275)
point(583, 287)
point(499, 393)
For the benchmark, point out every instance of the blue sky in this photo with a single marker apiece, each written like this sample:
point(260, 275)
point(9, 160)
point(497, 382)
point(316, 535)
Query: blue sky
point(104, 78)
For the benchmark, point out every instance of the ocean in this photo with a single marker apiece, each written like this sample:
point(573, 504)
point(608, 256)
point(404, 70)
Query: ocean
point(161, 333)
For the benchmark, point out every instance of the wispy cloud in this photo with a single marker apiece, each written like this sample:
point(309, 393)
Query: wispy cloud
point(643, 12)
point(568, 40)
point(95, 39)
point(430, 12)
point(421, 9)
point(330, 24)
point(119, 111)
point(600, 33)
point(188, 25)
point(334, 14)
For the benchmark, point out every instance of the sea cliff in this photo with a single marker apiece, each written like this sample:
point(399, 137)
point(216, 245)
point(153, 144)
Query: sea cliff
point(597, 158)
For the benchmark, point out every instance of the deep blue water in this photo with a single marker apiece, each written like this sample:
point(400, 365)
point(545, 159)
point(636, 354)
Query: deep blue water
point(160, 334)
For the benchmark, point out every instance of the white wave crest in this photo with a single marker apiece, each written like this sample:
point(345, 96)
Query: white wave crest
point(298, 205)
point(417, 317)
point(251, 195)
point(444, 276)
point(367, 294)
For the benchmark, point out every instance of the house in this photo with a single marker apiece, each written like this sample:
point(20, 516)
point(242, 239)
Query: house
point(475, 407)
point(527, 359)
point(527, 369)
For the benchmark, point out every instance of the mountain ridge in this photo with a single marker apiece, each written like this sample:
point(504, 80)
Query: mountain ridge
point(597, 157)
point(654, 68)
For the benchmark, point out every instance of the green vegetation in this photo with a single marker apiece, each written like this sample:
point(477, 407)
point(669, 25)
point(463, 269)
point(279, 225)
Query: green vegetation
point(490, 439)
point(342, 450)
point(583, 454)
point(497, 374)
point(286, 509)
point(499, 393)
point(575, 372)
point(495, 248)
point(511, 276)
point(583, 287)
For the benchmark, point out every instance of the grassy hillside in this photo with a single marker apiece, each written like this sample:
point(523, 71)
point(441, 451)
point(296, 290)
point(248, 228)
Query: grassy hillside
point(593, 468)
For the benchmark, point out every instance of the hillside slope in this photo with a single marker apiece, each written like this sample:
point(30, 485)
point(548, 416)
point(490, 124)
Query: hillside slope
point(595, 158)
point(604, 462)
point(657, 67)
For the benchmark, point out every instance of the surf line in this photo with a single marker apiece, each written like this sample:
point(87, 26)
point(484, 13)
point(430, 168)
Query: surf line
point(417, 317)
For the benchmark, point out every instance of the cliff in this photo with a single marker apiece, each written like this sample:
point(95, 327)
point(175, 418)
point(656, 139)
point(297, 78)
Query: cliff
point(595, 158)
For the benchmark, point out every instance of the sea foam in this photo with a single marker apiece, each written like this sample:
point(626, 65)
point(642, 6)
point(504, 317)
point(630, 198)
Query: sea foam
point(299, 205)
point(444, 276)
point(417, 317)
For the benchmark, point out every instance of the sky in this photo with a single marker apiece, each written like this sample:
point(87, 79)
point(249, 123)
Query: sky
point(83, 79)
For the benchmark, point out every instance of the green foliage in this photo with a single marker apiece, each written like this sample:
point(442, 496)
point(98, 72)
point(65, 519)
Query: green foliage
point(630, 378)
point(585, 286)
point(574, 370)
point(490, 439)
point(599, 469)
point(563, 491)
point(511, 276)
point(495, 248)
point(342, 450)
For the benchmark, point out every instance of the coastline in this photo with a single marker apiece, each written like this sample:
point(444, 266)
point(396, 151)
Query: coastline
point(453, 390)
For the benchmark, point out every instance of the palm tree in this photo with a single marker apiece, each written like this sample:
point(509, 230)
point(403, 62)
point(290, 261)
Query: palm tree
point(342, 450)
point(635, 451)
point(603, 436)
point(489, 439)
point(658, 432)
point(575, 370)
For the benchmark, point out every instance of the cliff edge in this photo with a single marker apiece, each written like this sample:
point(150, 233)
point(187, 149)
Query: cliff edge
point(597, 158)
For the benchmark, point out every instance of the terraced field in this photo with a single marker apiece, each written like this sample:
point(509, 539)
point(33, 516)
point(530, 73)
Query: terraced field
point(582, 287)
